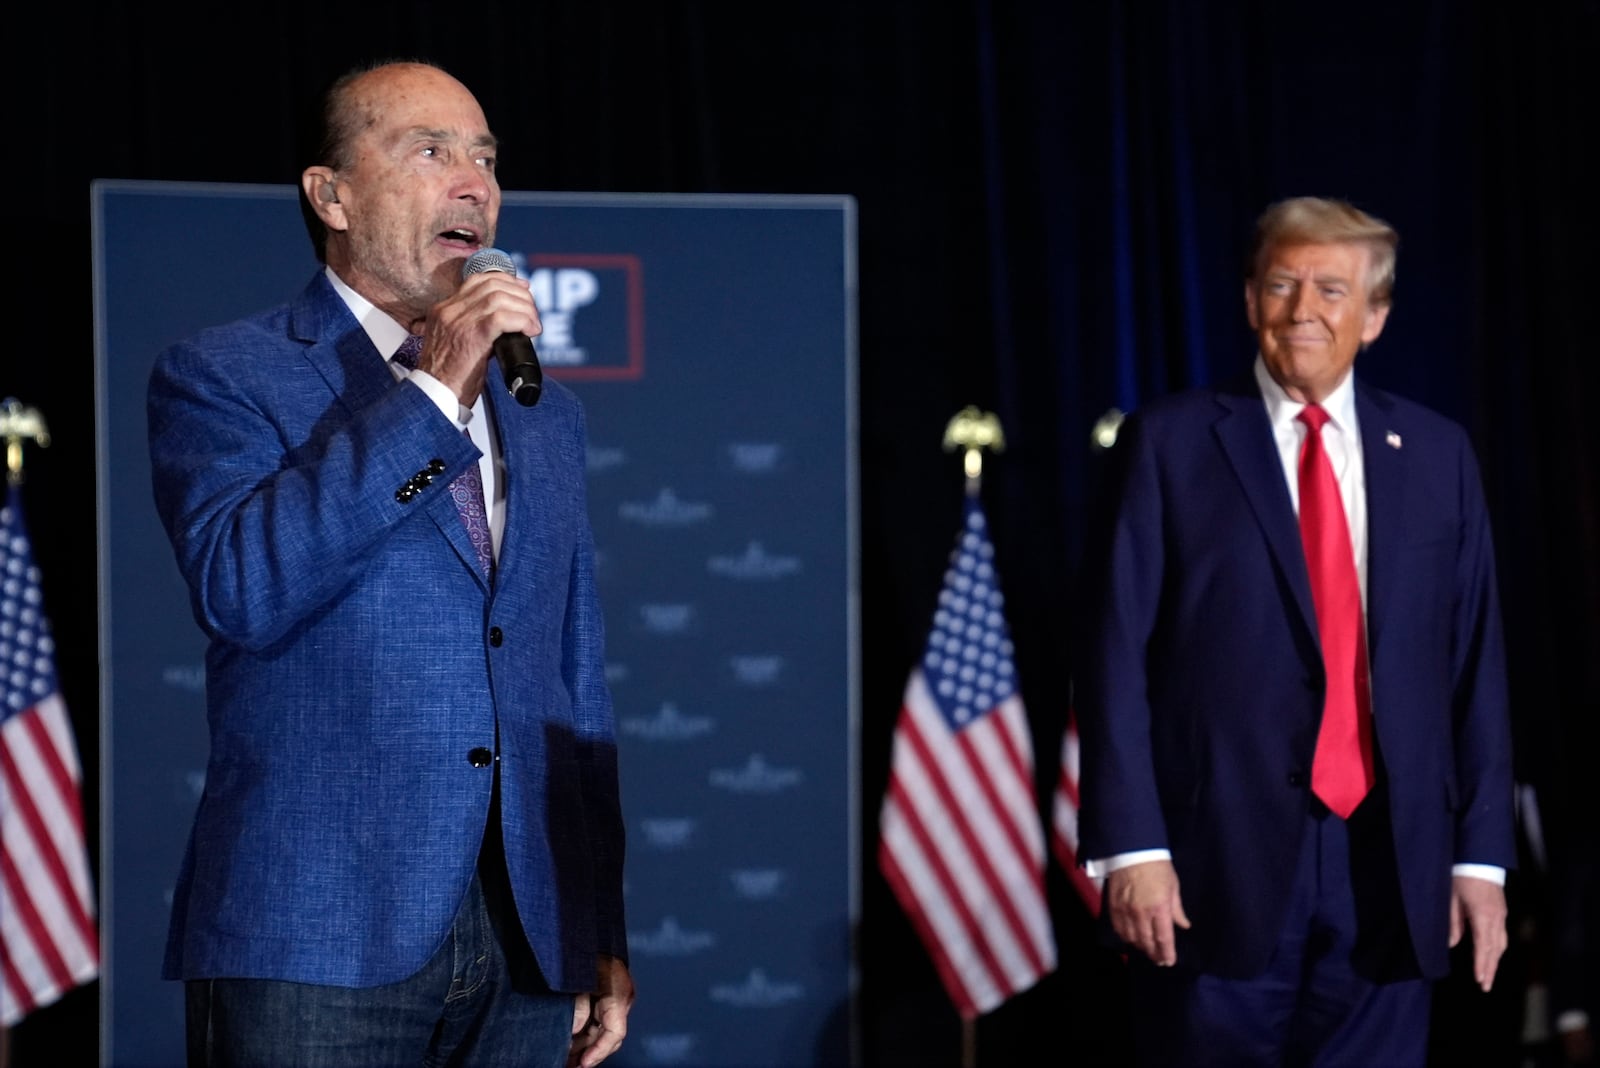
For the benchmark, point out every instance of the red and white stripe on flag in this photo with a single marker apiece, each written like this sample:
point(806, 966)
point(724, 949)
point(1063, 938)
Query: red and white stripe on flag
point(48, 940)
point(1064, 822)
point(960, 839)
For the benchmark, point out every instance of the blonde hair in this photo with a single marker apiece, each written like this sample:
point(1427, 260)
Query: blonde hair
point(1321, 221)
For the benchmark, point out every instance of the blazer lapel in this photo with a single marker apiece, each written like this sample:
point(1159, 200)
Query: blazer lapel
point(511, 427)
point(529, 442)
point(1384, 464)
point(338, 347)
point(1245, 434)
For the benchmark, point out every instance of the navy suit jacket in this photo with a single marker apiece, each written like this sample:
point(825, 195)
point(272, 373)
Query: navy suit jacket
point(357, 655)
point(1200, 690)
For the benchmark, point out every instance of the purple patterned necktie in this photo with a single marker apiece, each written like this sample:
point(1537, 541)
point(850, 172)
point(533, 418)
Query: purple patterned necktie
point(467, 489)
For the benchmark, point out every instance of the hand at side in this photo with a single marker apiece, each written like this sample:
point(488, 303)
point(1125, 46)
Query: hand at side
point(1145, 904)
point(600, 1020)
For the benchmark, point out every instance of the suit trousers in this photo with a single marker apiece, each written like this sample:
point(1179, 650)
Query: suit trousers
point(1319, 1003)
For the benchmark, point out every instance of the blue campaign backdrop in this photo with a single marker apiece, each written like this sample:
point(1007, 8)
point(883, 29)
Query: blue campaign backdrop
point(713, 342)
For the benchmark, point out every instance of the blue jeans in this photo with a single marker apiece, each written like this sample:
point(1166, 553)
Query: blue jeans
point(460, 1009)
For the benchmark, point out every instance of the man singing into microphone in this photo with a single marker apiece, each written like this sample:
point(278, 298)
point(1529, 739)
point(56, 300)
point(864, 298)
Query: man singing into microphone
point(410, 844)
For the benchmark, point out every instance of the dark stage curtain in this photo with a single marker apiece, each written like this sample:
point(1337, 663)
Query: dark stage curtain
point(1053, 204)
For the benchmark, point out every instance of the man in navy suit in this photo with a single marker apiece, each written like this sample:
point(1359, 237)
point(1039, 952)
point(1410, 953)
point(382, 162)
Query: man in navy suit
point(409, 848)
point(1264, 923)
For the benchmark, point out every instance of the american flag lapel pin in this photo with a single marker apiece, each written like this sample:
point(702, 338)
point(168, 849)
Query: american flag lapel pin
point(1392, 439)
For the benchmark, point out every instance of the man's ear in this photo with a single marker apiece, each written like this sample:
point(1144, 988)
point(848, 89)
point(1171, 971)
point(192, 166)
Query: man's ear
point(1373, 326)
point(321, 189)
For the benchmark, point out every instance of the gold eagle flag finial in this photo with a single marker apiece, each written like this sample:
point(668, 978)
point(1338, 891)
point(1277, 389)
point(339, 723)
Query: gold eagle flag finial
point(973, 430)
point(17, 425)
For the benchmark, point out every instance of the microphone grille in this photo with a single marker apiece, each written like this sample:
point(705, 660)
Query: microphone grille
point(487, 259)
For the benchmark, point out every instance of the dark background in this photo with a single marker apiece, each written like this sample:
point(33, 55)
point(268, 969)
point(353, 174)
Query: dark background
point(1053, 203)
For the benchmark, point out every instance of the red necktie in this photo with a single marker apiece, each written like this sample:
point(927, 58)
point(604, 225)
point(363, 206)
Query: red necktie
point(1341, 771)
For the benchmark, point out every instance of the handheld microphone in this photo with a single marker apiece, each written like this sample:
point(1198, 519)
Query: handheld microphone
point(515, 352)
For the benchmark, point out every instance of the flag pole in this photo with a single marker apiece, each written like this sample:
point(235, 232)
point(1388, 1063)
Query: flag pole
point(972, 430)
point(19, 424)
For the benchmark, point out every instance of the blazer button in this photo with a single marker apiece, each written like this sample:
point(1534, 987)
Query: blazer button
point(495, 637)
point(479, 757)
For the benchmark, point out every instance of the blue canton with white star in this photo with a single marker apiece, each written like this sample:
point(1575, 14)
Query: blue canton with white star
point(27, 668)
point(967, 662)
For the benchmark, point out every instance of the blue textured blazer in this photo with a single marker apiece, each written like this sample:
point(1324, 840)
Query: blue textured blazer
point(357, 656)
point(1200, 688)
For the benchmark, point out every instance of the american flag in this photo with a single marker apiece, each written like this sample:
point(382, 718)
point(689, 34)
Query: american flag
point(960, 839)
point(1064, 822)
point(47, 926)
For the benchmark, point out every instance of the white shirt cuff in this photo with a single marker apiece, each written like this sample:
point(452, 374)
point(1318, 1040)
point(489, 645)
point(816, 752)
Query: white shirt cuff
point(1572, 1020)
point(1099, 869)
point(1487, 872)
point(442, 396)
